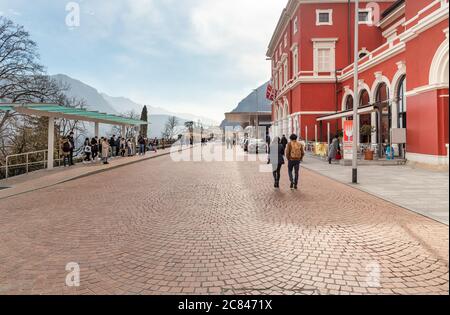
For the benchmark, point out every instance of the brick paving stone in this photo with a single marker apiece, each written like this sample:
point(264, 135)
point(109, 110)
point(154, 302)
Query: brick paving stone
point(160, 227)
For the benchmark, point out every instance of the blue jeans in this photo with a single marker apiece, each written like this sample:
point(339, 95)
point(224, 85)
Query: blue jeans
point(294, 170)
point(142, 149)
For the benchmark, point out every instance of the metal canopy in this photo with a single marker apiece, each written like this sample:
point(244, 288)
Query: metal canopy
point(57, 111)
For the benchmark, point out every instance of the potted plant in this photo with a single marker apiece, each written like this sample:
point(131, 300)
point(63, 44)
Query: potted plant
point(367, 131)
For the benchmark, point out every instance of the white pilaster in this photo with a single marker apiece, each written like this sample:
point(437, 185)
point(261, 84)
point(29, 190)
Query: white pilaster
point(51, 143)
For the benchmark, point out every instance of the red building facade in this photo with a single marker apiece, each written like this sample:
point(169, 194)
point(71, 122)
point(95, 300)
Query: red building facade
point(403, 73)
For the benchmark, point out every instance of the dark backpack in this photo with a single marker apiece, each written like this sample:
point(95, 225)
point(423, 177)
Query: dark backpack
point(66, 147)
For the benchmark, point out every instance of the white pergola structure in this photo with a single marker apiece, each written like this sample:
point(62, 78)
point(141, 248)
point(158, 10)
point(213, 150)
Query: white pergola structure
point(54, 111)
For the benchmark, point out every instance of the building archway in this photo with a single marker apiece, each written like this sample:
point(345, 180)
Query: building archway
point(439, 70)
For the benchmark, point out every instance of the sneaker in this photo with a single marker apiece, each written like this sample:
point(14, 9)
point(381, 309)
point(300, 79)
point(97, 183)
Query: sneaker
point(292, 185)
point(295, 187)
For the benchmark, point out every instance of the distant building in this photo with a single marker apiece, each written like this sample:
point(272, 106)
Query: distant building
point(403, 72)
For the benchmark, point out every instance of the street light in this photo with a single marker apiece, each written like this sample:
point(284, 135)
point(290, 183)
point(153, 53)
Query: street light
point(355, 98)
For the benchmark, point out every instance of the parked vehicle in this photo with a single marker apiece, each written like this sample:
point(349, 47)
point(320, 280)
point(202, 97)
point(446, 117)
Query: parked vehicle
point(257, 146)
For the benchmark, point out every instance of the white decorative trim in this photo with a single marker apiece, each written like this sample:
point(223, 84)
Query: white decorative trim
point(369, 16)
point(425, 89)
point(330, 17)
point(440, 61)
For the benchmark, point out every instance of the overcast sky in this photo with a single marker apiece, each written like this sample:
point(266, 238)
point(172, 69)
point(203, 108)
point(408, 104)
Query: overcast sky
point(198, 56)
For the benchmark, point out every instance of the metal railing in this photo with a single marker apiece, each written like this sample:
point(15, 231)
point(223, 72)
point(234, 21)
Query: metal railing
point(27, 162)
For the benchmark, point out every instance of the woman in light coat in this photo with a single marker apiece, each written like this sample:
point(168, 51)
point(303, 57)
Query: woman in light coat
point(105, 150)
point(334, 149)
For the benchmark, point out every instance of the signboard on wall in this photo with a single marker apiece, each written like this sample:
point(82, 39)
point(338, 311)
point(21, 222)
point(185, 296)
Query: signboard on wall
point(348, 140)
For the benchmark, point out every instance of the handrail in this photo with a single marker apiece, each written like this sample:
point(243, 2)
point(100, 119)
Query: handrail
point(27, 163)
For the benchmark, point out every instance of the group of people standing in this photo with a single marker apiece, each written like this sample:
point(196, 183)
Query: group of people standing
point(294, 151)
point(95, 149)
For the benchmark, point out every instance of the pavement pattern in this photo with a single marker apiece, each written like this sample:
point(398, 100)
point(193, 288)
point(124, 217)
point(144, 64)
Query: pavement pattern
point(160, 227)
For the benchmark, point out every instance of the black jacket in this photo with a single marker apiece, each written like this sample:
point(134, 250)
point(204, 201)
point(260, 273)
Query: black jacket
point(276, 154)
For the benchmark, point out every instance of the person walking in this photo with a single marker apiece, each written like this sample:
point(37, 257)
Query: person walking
point(105, 150)
point(276, 158)
point(65, 148)
point(71, 140)
point(284, 141)
point(295, 152)
point(334, 149)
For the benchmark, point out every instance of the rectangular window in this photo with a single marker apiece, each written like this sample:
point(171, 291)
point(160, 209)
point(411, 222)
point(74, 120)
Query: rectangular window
point(286, 72)
point(285, 40)
point(295, 62)
point(365, 16)
point(324, 60)
point(295, 25)
point(324, 17)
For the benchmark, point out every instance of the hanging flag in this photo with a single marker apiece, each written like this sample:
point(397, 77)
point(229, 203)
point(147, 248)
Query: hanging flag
point(270, 93)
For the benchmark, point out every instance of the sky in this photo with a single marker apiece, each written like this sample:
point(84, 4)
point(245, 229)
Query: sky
point(193, 56)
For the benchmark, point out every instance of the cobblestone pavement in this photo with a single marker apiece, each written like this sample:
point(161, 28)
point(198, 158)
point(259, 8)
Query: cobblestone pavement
point(159, 227)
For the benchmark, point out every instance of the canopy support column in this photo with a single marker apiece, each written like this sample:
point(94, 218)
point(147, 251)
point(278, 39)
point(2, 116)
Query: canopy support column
point(124, 131)
point(51, 143)
point(97, 128)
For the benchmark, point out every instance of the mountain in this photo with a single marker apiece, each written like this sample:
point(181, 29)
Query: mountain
point(254, 102)
point(119, 105)
point(123, 104)
point(94, 100)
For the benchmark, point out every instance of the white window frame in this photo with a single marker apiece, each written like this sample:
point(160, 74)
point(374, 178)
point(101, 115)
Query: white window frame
point(324, 43)
point(286, 71)
point(285, 40)
point(295, 58)
point(369, 16)
point(276, 82)
point(280, 78)
point(330, 16)
point(296, 25)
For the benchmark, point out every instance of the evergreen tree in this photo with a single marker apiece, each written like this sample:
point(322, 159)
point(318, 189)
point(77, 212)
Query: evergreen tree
point(144, 117)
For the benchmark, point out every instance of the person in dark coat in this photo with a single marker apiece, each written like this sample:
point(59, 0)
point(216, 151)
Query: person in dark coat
point(284, 141)
point(72, 149)
point(334, 149)
point(276, 158)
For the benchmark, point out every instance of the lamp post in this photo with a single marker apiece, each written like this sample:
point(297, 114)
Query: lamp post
point(355, 98)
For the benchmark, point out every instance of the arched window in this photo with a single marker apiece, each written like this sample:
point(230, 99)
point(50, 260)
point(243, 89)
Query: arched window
point(384, 117)
point(349, 102)
point(364, 98)
point(364, 119)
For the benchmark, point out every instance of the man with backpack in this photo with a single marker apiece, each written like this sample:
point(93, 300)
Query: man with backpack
point(295, 152)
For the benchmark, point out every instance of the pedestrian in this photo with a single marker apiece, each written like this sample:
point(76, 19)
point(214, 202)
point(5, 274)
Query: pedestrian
point(276, 158)
point(284, 141)
point(123, 147)
point(95, 148)
point(72, 145)
point(105, 150)
point(295, 152)
point(87, 149)
point(130, 147)
point(118, 146)
point(65, 148)
point(141, 141)
point(334, 149)
point(100, 147)
point(112, 145)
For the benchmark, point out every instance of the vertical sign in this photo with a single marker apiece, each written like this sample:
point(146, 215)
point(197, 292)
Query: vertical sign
point(348, 140)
